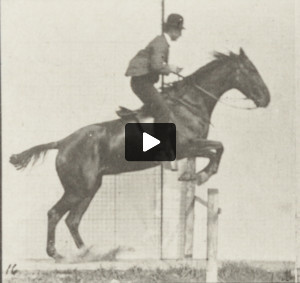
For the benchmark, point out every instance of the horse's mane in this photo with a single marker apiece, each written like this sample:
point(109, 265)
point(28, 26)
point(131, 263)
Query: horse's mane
point(218, 58)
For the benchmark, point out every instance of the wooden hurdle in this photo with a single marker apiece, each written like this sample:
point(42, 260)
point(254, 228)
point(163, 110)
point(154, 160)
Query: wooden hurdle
point(213, 212)
point(184, 247)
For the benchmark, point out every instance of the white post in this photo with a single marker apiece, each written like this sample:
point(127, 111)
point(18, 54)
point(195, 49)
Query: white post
point(212, 236)
point(173, 213)
point(190, 188)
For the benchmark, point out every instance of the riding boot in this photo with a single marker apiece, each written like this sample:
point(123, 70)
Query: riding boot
point(170, 165)
point(174, 165)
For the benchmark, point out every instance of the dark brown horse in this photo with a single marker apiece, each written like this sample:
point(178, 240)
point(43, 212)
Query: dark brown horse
point(96, 150)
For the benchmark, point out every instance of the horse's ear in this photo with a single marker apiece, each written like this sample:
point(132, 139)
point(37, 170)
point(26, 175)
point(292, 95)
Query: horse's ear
point(242, 53)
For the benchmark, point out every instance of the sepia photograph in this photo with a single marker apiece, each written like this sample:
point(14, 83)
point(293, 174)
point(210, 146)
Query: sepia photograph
point(150, 141)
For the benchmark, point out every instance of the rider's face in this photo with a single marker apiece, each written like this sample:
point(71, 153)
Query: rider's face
point(175, 34)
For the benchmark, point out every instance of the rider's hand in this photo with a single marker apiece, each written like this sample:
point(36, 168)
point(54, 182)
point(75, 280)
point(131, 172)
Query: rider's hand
point(175, 69)
point(179, 70)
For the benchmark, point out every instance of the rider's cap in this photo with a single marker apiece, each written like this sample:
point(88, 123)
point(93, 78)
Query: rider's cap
point(175, 20)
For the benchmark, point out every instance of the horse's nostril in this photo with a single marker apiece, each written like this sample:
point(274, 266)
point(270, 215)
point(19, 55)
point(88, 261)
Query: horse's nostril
point(264, 102)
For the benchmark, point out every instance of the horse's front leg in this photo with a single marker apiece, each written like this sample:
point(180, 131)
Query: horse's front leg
point(212, 150)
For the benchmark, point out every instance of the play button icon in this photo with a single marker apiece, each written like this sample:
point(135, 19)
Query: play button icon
point(149, 142)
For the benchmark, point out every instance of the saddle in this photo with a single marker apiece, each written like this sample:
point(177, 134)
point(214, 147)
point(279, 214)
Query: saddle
point(127, 114)
point(124, 112)
point(144, 111)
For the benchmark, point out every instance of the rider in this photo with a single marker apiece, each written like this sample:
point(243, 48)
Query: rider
point(145, 68)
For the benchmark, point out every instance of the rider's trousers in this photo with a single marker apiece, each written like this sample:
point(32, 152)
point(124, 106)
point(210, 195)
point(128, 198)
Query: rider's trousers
point(143, 87)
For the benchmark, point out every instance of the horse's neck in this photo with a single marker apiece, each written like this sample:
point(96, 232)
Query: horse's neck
point(217, 82)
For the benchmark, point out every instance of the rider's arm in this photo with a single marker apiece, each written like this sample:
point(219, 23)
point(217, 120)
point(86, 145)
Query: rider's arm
point(158, 59)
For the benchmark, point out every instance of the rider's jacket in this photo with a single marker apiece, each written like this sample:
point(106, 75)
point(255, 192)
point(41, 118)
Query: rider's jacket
point(152, 59)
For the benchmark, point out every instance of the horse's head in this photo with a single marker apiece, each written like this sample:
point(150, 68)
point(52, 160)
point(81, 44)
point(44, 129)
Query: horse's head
point(248, 80)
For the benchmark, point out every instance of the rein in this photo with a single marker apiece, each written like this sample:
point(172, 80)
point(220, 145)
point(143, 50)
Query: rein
point(211, 95)
point(192, 108)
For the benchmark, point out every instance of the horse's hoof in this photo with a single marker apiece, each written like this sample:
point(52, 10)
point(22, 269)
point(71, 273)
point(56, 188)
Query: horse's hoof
point(186, 176)
point(58, 258)
point(84, 251)
point(202, 178)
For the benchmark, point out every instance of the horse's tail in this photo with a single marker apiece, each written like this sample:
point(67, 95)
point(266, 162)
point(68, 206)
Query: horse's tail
point(22, 159)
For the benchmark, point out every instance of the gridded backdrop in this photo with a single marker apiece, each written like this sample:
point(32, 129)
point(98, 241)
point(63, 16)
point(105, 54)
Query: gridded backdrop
point(124, 213)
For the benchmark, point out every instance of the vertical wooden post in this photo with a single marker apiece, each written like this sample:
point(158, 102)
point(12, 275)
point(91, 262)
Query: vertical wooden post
point(297, 227)
point(173, 214)
point(190, 188)
point(161, 166)
point(212, 236)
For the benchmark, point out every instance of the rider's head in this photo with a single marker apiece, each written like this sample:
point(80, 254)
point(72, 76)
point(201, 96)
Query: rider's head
point(174, 26)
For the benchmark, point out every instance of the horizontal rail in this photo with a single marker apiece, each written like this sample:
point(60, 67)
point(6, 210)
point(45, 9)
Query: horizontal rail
point(205, 203)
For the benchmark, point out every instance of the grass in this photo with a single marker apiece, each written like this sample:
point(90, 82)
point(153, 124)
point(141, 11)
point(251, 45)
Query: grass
point(243, 272)
point(229, 272)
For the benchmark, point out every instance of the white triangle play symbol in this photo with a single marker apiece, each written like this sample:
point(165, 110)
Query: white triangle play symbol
point(149, 142)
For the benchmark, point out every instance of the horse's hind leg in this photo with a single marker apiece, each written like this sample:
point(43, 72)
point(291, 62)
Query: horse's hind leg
point(77, 212)
point(74, 218)
point(54, 216)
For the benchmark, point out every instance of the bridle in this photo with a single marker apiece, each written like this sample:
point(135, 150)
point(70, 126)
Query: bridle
point(211, 95)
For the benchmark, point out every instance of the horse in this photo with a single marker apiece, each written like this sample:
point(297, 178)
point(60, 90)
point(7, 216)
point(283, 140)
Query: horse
point(91, 152)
